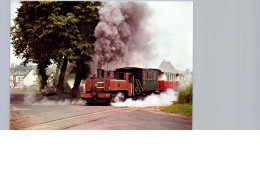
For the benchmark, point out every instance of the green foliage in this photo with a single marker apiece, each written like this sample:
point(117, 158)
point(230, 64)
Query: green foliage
point(52, 30)
point(185, 109)
point(47, 31)
point(185, 95)
point(38, 77)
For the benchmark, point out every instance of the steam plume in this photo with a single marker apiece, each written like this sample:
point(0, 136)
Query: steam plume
point(122, 36)
point(163, 99)
point(30, 99)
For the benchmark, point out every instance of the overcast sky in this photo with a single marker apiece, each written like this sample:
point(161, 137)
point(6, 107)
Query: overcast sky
point(171, 25)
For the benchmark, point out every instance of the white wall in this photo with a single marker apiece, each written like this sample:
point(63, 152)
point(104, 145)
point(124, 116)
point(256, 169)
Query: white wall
point(30, 79)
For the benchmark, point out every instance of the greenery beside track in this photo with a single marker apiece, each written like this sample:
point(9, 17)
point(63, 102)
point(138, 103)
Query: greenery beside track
point(185, 109)
point(184, 103)
point(28, 91)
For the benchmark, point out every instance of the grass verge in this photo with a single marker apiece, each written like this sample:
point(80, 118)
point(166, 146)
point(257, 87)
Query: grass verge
point(27, 91)
point(185, 109)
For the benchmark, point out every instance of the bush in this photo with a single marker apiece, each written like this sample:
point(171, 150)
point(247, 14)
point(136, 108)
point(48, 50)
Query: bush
point(185, 95)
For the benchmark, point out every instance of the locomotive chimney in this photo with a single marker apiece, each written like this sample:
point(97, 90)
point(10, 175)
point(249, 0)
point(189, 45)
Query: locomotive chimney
point(100, 73)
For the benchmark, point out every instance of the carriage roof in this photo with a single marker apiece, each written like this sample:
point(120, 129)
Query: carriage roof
point(131, 69)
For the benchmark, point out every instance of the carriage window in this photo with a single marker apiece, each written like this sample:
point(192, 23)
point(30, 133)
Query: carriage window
point(147, 75)
point(121, 75)
point(143, 75)
point(156, 76)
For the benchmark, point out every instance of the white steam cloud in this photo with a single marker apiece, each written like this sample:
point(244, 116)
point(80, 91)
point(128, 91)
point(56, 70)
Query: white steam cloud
point(162, 99)
point(59, 102)
point(30, 99)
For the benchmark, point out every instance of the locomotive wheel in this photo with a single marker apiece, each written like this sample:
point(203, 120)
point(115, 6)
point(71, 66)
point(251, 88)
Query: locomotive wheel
point(90, 103)
point(112, 98)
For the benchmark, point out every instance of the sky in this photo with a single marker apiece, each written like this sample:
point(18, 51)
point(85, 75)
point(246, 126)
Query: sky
point(171, 27)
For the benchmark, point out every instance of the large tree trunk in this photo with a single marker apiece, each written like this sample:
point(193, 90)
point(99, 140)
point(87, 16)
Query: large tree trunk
point(62, 76)
point(42, 71)
point(78, 77)
point(56, 75)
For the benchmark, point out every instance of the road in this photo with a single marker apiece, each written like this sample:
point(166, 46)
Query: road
point(30, 113)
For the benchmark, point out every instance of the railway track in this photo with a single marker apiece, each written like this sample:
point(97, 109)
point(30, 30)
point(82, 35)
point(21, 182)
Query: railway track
point(63, 123)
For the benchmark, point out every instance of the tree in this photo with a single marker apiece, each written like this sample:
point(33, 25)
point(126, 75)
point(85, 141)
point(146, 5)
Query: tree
point(26, 38)
point(54, 32)
point(88, 18)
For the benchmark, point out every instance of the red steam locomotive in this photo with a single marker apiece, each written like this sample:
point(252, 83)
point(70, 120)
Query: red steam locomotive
point(132, 82)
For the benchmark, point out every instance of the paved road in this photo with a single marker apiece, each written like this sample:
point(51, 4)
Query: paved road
point(42, 114)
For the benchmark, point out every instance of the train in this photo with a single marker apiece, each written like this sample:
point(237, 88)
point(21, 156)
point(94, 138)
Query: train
point(131, 82)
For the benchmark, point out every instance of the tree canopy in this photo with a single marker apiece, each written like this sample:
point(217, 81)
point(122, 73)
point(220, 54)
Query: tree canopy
point(48, 32)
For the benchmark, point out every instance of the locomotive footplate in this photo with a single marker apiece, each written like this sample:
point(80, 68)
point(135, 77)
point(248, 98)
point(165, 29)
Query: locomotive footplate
point(93, 97)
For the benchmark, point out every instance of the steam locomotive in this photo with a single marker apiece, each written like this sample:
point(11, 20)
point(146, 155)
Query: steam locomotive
point(131, 82)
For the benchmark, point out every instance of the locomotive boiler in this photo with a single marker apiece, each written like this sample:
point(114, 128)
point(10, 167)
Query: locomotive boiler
point(131, 82)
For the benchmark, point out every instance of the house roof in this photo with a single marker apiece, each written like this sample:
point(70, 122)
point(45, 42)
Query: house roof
point(28, 72)
point(166, 66)
point(19, 73)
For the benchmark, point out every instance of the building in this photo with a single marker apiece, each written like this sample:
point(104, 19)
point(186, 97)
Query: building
point(169, 72)
point(30, 81)
point(187, 75)
point(16, 79)
point(11, 81)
